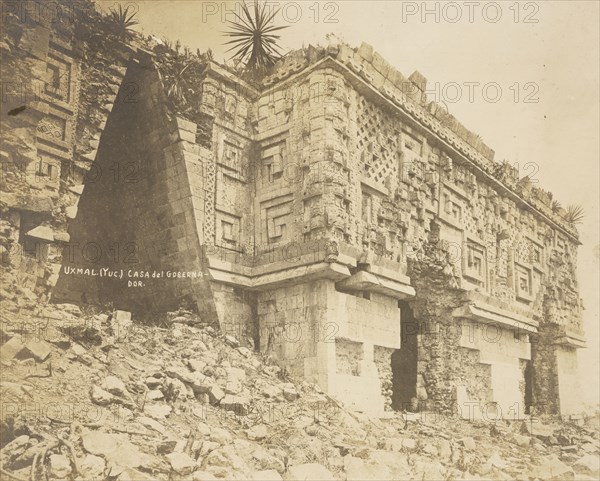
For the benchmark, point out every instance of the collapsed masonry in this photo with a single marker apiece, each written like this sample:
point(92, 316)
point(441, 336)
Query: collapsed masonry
point(342, 222)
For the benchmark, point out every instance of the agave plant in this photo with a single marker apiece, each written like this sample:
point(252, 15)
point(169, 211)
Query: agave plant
point(178, 85)
point(122, 20)
point(574, 214)
point(180, 70)
point(556, 206)
point(204, 56)
point(253, 41)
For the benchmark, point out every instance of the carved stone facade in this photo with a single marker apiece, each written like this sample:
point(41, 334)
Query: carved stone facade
point(331, 217)
point(48, 116)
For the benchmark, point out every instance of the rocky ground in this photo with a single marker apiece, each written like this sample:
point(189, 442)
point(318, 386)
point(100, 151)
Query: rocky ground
point(88, 396)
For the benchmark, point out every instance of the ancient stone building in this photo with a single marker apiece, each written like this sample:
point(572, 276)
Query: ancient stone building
point(331, 215)
point(61, 74)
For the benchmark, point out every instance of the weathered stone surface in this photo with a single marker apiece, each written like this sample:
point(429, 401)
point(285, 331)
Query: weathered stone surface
point(445, 449)
point(290, 393)
point(129, 474)
point(309, 472)
point(235, 378)
point(552, 468)
point(203, 476)
point(258, 432)
point(240, 405)
point(429, 469)
point(92, 467)
point(181, 463)
point(10, 349)
point(167, 446)
point(157, 411)
point(60, 466)
point(232, 341)
point(522, 441)
point(5, 334)
point(99, 443)
point(208, 447)
point(153, 382)
point(196, 365)
point(115, 386)
point(226, 457)
point(216, 394)
point(127, 455)
point(154, 395)
point(359, 470)
point(220, 435)
point(468, 443)
point(151, 423)
point(100, 396)
point(38, 350)
point(588, 464)
point(267, 475)
point(536, 428)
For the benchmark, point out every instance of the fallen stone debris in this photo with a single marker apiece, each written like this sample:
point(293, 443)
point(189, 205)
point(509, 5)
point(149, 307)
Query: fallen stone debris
point(148, 406)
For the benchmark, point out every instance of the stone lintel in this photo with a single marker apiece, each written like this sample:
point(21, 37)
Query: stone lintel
point(43, 233)
point(28, 203)
point(571, 339)
point(322, 270)
point(488, 314)
point(278, 130)
point(384, 272)
point(220, 262)
point(230, 278)
point(282, 278)
point(215, 263)
point(371, 282)
point(374, 186)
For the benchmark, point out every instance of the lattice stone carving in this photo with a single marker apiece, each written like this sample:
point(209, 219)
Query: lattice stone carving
point(210, 173)
point(378, 141)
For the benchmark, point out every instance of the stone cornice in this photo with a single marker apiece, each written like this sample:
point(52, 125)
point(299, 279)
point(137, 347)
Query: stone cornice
point(486, 313)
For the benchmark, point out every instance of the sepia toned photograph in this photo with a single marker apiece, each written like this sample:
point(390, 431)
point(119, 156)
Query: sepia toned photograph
point(311, 240)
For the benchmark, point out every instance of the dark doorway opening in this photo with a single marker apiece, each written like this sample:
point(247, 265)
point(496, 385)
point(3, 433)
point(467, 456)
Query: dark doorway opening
point(404, 362)
point(528, 387)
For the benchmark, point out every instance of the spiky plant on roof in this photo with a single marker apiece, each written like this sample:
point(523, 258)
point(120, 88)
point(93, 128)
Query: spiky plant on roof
point(574, 214)
point(122, 20)
point(253, 41)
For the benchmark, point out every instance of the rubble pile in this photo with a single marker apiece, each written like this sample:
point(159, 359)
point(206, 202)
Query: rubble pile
point(88, 396)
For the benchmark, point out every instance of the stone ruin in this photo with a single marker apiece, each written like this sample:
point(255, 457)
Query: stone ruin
point(332, 217)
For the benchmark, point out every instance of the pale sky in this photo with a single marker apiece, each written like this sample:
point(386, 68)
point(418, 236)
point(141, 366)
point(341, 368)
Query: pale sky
point(540, 58)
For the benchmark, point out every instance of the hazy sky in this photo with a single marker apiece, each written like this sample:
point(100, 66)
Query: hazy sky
point(524, 75)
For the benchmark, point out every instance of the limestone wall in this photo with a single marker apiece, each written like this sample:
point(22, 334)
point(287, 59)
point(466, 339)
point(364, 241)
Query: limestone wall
point(569, 387)
point(295, 327)
point(62, 70)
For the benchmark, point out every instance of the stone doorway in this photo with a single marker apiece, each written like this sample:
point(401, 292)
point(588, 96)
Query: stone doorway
point(528, 375)
point(404, 362)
